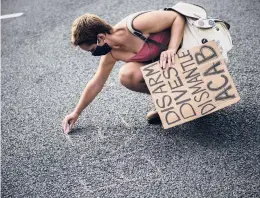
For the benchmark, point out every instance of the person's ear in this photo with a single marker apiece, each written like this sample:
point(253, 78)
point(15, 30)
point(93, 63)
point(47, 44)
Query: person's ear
point(101, 37)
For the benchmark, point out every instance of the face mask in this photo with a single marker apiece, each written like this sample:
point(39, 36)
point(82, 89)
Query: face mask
point(102, 50)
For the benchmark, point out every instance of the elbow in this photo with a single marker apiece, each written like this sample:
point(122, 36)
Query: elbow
point(180, 19)
point(95, 86)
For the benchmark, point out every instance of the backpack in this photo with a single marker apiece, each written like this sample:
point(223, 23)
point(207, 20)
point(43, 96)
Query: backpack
point(199, 28)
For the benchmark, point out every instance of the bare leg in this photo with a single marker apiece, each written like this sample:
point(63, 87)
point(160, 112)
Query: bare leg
point(131, 77)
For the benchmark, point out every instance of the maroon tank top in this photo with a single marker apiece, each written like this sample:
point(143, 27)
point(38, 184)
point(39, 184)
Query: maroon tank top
point(147, 54)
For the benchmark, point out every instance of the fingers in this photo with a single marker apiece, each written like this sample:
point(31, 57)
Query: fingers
point(63, 124)
point(69, 121)
point(167, 59)
point(163, 60)
point(65, 121)
point(70, 125)
point(66, 125)
point(172, 59)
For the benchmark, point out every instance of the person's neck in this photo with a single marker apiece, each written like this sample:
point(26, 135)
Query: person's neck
point(114, 39)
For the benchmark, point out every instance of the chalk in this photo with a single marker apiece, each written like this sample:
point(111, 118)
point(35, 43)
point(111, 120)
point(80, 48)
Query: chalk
point(67, 129)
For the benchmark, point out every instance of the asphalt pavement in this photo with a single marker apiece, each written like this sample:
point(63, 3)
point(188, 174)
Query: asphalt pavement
point(113, 151)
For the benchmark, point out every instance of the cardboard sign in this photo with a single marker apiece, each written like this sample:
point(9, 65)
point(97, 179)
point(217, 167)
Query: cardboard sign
point(198, 84)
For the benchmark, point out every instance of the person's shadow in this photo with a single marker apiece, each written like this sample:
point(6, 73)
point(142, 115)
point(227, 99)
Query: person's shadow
point(220, 128)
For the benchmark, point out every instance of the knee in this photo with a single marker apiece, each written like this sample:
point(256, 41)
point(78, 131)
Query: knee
point(126, 76)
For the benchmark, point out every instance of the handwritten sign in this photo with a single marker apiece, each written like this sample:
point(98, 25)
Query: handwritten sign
point(197, 85)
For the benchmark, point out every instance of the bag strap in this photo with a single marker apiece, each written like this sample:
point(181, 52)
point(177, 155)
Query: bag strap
point(189, 10)
point(196, 12)
point(138, 33)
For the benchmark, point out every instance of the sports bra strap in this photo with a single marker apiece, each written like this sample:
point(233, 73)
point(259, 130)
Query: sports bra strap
point(138, 33)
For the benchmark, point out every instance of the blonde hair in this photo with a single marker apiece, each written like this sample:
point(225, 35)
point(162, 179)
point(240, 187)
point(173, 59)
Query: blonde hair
point(86, 28)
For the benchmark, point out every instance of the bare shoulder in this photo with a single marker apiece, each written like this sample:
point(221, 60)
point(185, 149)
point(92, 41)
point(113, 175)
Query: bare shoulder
point(155, 21)
point(121, 23)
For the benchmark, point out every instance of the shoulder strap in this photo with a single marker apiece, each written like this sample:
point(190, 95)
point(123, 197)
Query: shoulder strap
point(129, 22)
point(196, 12)
point(138, 33)
point(189, 10)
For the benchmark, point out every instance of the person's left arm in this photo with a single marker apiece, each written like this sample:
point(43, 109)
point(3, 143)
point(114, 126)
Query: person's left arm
point(157, 21)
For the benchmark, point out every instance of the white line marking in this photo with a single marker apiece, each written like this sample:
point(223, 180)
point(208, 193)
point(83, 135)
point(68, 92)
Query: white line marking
point(11, 15)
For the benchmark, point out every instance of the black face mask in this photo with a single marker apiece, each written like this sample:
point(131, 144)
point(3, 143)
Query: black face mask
point(102, 50)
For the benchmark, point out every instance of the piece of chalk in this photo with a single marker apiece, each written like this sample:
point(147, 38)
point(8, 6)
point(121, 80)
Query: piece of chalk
point(68, 127)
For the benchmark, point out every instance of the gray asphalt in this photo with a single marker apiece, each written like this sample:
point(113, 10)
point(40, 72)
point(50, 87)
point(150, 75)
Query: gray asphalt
point(112, 151)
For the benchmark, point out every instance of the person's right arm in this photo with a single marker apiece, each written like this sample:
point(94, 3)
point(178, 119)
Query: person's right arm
point(96, 84)
point(92, 89)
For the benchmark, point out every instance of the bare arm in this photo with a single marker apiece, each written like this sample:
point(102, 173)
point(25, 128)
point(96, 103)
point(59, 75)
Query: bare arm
point(163, 20)
point(96, 84)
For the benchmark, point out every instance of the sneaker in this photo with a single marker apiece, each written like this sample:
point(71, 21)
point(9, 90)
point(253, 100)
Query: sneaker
point(153, 117)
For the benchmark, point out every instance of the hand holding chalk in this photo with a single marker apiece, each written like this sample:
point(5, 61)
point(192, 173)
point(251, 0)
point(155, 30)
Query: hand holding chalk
point(67, 130)
point(69, 121)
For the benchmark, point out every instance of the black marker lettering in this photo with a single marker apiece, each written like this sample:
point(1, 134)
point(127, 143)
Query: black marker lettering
point(207, 108)
point(205, 103)
point(218, 88)
point(187, 63)
point(213, 70)
point(223, 95)
point(176, 83)
point(153, 82)
point(168, 72)
point(183, 101)
point(164, 98)
point(201, 96)
point(182, 92)
point(191, 73)
point(198, 88)
point(160, 89)
point(195, 79)
point(201, 58)
point(183, 54)
point(172, 117)
point(150, 71)
point(188, 110)
point(165, 110)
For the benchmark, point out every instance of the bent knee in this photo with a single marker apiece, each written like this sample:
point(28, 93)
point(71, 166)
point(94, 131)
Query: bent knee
point(125, 76)
point(130, 74)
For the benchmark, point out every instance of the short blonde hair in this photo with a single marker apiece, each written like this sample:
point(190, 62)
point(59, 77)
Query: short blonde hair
point(86, 28)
